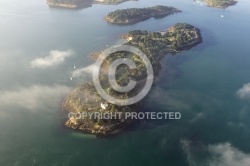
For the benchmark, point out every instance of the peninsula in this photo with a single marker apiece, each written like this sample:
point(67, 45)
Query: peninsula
point(85, 98)
point(135, 15)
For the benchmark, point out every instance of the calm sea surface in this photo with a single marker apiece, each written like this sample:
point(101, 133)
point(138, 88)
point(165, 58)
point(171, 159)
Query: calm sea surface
point(201, 83)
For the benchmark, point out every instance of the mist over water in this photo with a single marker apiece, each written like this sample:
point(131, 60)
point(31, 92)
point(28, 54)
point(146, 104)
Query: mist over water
point(42, 47)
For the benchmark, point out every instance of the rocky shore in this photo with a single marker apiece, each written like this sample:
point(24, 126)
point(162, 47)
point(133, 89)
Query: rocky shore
point(79, 4)
point(111, 2)
point(85, 99)
point(218, 3)
point(135, 15)
point(70, 4)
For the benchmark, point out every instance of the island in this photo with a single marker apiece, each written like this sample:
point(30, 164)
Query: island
point(70, 4)
point(85, 99)
point(218, 3)
point(111, 2)
point(79, 4)
point(135, 15)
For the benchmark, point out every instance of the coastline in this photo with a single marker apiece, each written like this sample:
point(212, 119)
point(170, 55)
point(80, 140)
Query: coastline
point(154, 13)
point(223, 6)
point(108, 3)
point(68, 6)
point(84, 98)
point(83, 5)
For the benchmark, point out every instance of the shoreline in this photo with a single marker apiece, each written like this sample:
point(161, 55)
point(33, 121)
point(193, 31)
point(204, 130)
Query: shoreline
point(149, 12)
point(223, 6)
point(83, 5)
point(85, 99)
point(67, 6)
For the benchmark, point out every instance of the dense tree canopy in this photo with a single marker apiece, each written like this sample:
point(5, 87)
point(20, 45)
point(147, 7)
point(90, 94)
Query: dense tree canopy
point(134, 15)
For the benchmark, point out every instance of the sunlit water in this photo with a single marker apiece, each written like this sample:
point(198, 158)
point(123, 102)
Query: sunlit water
point(201, 83)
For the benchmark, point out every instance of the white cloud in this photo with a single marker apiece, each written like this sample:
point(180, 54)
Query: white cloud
point(195, 152)
point(55, 57)
point(226, 155)
point(223, 154)
point(85, 70)
point(244, 92)
point(33, 97)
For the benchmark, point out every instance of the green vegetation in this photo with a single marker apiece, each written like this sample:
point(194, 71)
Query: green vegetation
point(111, 2)
point(72, 4)
point(69, 3)
point(135, 15)
point(220, 3)
point(155, 45)
point(178, 37)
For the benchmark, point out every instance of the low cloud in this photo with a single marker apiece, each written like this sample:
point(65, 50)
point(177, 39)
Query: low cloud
point(195, 152)
point(83, 71)
point(244, 92)
point(226, 155)
point(33, 97)
point(54, 58)
point(223, 154)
